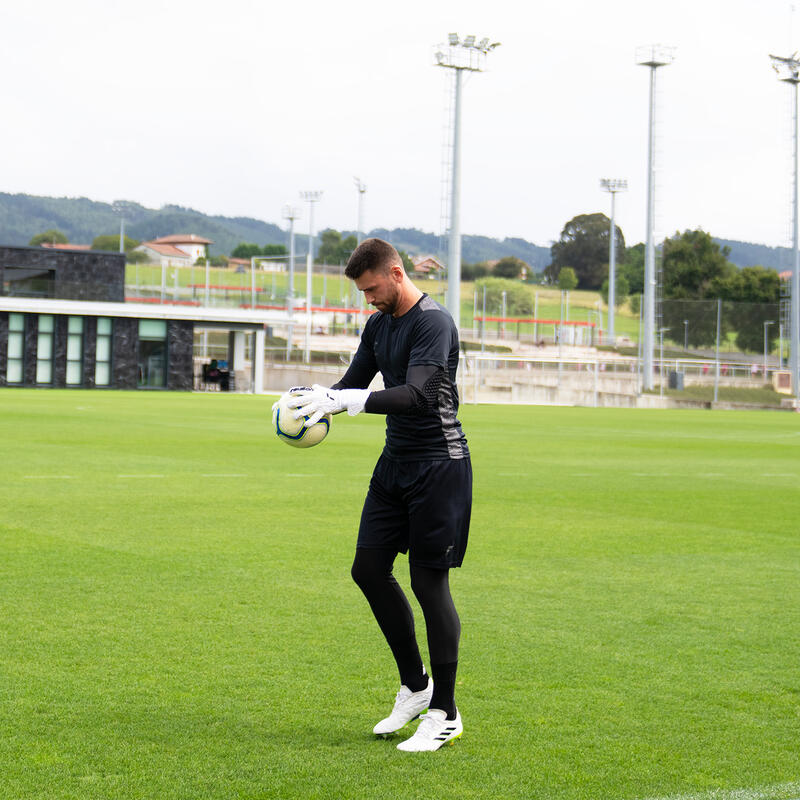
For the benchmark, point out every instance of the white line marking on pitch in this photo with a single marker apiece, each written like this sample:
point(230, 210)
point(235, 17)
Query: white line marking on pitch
point(224, 475)
point(48, 477)
point(303, 475)
point(778, 475)
point(141, 476)
point(758, 793)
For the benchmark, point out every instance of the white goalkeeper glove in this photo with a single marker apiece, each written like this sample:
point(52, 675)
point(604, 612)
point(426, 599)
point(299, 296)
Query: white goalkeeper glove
point(318, 401)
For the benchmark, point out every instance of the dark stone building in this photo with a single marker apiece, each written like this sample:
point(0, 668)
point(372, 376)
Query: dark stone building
point(90, 339)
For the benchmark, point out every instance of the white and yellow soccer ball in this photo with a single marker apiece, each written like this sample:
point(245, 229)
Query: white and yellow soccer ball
point(293, 431)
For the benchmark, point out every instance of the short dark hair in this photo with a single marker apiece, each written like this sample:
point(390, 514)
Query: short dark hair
point(372, 254)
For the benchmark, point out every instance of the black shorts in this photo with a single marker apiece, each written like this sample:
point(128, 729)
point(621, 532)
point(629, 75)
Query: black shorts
point(422, 507)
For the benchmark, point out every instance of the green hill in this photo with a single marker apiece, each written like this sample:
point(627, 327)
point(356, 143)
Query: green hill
point(23, 216)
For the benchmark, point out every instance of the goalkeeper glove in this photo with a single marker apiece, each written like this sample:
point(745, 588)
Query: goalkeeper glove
point(318, 401)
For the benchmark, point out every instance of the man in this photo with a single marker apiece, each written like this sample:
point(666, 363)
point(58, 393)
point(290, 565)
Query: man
point(420, 494)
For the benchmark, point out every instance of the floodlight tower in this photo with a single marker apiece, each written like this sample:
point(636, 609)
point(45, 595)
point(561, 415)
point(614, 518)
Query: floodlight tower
point(121, 207)
point(612, 185)
point(460, 56)
point(290, 212)
point(362, 190)
point(311, 198)
point(652, 56)
point(788, 70)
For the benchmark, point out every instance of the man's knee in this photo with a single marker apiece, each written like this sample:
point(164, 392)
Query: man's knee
point(371, 567)
point(429, 584)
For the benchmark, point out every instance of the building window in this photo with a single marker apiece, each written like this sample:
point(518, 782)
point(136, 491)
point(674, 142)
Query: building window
point(153, 352)
point(44, 350)
point(16, 348)
point(102, 367)
point(74, 351)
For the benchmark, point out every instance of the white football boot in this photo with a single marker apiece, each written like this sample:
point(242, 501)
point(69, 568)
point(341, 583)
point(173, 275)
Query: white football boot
point(434, 731)
point(408, 705)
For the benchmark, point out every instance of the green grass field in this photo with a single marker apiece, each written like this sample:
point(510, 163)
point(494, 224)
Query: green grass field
point(178, 619)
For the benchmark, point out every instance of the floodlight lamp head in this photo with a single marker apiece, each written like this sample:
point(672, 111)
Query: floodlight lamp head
point(291, 212)
point(614, 184)
point(469, 41)
point(787, 69)
point(655, 55)
point(452, 39)
point(483, 44)
point(311, 196)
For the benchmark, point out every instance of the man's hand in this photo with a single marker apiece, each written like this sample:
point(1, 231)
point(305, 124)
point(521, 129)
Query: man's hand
point(318, 401)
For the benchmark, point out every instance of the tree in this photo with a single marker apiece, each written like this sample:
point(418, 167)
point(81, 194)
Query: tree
point(111, 243)
point(621, 290)
point(509, 267)
point(274, 250)
point(755, 293)
point(472, 272)
point(51, 236)
point(567, 279)
point(246, 250)
point(694, 272)
point(136, 257)
point(219, 261)
point(584, 247)
point(408, 264)
point(632, 268)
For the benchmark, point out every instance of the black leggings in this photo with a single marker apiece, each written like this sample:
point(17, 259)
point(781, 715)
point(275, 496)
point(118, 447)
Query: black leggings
point(372, 571)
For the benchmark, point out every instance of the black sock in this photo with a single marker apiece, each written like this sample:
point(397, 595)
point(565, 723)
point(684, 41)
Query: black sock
point(409, 663)
point(444, 688)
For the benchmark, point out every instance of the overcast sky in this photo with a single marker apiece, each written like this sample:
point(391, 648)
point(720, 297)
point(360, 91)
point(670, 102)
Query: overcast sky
point(233, 107)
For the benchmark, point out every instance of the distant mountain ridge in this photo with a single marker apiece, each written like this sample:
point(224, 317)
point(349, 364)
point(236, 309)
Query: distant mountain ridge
point(22, 216)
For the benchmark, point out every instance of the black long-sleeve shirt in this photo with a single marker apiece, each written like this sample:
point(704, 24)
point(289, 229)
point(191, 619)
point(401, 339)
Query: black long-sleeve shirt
point(417, 355)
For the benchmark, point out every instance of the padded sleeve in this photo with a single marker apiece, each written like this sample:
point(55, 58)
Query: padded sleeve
point(416, 396)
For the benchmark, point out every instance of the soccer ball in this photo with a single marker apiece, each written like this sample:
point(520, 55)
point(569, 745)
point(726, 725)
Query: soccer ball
point(293, 431)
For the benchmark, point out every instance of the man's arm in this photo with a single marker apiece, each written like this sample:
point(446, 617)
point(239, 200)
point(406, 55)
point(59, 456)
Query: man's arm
point(415, 396)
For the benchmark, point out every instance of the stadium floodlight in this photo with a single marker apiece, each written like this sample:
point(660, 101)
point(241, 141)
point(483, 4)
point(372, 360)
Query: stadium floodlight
point(788, 70)
point(310, 197)
point(121, 207)
point(290, 212)
point(362, 189)
point(653, 57)
point(460, 58)
point(483, 44)
point(612, 185)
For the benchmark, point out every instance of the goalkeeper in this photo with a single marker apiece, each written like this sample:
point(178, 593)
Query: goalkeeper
point(420, 495)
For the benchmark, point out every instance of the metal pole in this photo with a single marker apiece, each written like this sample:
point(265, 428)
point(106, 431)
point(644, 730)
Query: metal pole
point(253, 282)
point(767, 323)
point(686, 334)
point(309, 267)
point(290, 292)
point(483, 321)
point(795, 304)
point(122, 234)
point(503, 314)
point(208, 280)
point(661, 363)
point(716, 356)
point(454, 255)
point(361, 189)
point(535, 316)
point(650, 257)
point(612, 260)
